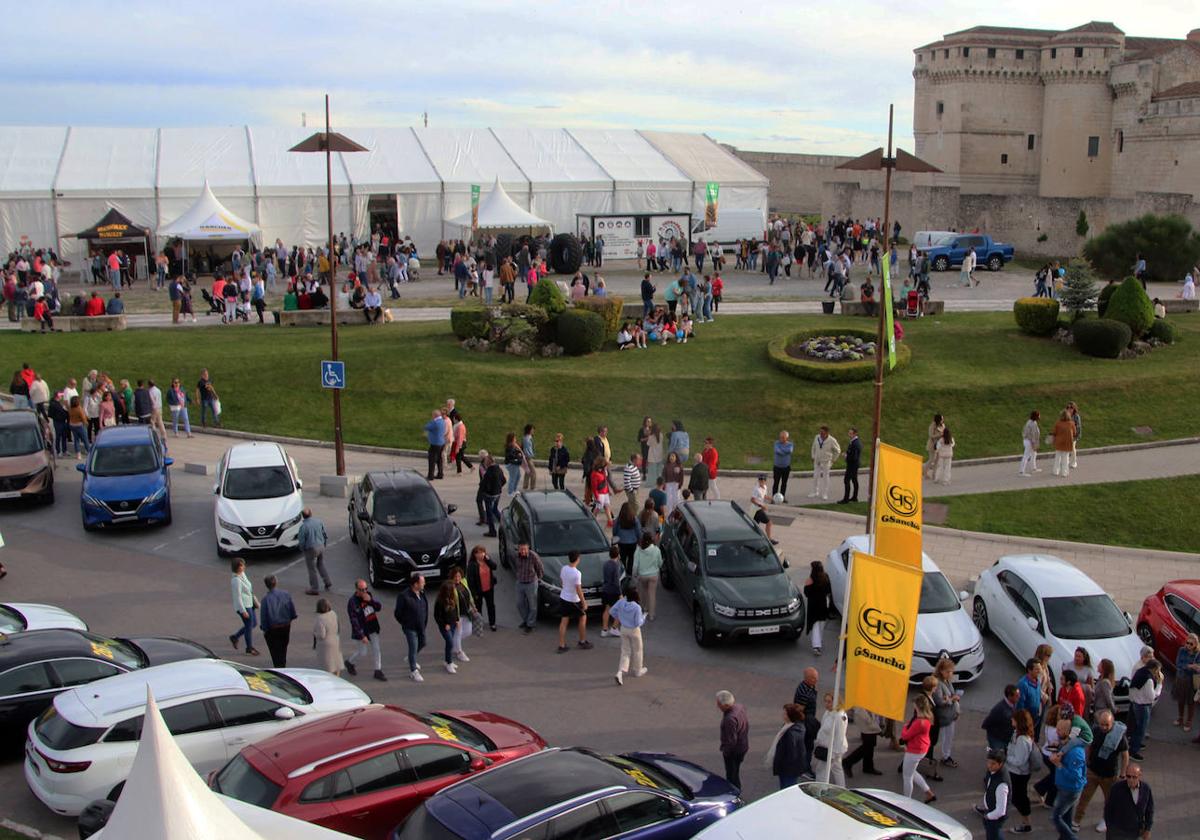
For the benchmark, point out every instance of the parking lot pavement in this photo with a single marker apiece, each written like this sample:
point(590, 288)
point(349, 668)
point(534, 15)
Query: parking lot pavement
point(170, 581)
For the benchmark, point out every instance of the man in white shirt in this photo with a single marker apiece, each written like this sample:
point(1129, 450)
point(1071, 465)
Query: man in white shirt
point(572, 604)
point(825, 450)
point(156, 415)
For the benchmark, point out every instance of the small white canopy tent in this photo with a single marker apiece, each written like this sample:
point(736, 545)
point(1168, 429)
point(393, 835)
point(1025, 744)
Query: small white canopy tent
point(499, 212)
point(209, 220)
point(166, 799)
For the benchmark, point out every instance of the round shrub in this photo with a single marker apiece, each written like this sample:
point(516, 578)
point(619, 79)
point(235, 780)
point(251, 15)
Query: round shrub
point(470, 322)
point(1101, 337)
point(608, 307)
point(777, 352)
point(1164, 331)
point(1131, 305)
point(1036, 316)
point(547, 295)
point(535, 316)
point(580, 332)
point(1105, 294)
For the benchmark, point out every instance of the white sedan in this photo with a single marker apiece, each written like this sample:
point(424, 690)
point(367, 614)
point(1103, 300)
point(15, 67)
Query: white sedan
point(815, 809)
point(944, 627)
point(1030, 599)
point(17, 618)
point(82, 747)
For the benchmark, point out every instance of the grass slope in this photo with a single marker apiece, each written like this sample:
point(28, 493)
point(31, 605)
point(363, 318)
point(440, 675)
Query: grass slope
point(976, 369)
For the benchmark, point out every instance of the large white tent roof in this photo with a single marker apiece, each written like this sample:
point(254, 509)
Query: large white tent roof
point(702, 160)
point(29, 157)
point(628, 158)
point(280, 171)
point(552, 159)
point(394, 162)
point(189, 157)
point(109, 161)
point(466, 156)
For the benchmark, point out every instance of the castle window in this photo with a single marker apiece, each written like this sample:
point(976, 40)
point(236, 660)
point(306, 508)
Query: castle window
point(941, 108)
point(919, 58)
point(1120, 141)
point(1003, 159)
point(1020, 55)
point(1093, 147)
point(1079, 52)
point(1054, 52)
point(966, 51)
point(991, 52)
point(1029, 142)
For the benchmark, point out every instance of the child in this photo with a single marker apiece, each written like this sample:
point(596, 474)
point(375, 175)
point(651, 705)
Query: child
point(718, 286)
point(667, 331)
point(685, 329)
point(624, 337)
point(639, 335)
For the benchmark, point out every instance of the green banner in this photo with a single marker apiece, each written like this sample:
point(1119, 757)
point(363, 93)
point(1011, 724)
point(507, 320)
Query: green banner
point(885, 300)
point(474, 207)
point(711, 189)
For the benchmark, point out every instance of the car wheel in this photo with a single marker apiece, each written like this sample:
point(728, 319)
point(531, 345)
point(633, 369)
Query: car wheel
point(980, 616)
point(994, 263)
point(350, 526)
point(704, 636)
point(941, 264)
point(47, 498)
point(222, 552)
point(88, 527)
point(167, 519)
point(502, 550)
point(1147, 636)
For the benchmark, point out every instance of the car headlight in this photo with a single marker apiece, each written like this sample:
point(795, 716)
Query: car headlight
point(977, 649)
point(394, 552)
point(291, 522)
point(793, 604)
point(228, 526)
point(721, 609)
point(92, 501)
point(455, 547)
point(160, 493)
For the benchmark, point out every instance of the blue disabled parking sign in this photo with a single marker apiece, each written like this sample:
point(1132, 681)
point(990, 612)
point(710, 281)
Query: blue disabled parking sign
point(333, 374)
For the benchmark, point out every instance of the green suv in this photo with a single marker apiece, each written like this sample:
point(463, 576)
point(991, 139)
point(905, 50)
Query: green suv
point(729, 574)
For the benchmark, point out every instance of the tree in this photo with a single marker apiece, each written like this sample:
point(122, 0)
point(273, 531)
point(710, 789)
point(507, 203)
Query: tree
point(1169, 244)
point(1079, 292)
point(1081, 224)
point(1131, 305)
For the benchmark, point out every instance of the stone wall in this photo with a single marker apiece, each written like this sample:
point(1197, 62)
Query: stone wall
point(797, 181)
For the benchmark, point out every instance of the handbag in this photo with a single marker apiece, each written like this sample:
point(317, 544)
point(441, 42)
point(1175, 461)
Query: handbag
point(821, 753)
point(216, 406)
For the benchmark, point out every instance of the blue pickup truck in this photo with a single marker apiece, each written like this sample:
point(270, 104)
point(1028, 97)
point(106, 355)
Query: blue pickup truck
point(950, 252)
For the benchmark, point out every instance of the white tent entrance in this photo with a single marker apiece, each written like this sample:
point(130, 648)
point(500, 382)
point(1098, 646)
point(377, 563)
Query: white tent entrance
point(209, 221)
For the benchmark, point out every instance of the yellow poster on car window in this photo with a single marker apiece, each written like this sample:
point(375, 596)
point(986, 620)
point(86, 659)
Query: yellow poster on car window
point(880, 624)
point(897, 505)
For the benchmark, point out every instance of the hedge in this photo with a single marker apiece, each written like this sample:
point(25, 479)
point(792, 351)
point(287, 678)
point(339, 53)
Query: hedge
point(1036, 315)
point(818, 371)
point(608, 307)
point(1131, 305)
point(1164, 331)
point(1169, 243)
point(1102, 301)
point(1101, 337)
point(580, 332)
point(470, 322)
point(536, 316)
point(548, 296)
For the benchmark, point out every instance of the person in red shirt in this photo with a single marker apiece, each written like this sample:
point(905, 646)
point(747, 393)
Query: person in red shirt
point(41, 313)
point(718, 286)
point(95, 305)
point(114, 270)
point(1072, 692)
point(711, 458)
point(305, 301)
point(601, 493)
point(218, 288)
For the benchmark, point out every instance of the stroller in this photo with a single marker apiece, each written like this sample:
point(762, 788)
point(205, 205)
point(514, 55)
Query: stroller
point(912, 308)
point(215, 307)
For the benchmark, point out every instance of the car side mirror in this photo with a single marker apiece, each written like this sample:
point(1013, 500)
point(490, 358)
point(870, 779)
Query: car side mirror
point(478, 763)
point(82, 468)
point(299, 484)
point(168, 462)
point(1128, 618)
point(285, 713)
point(1032, 622)
point(216, 489)
point(677, 810)
point(963, 595)
point(451, 508)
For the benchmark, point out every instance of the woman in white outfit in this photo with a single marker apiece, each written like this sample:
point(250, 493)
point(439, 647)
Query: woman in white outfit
point(944, 456)
point(831, 743)
point(1031, 438)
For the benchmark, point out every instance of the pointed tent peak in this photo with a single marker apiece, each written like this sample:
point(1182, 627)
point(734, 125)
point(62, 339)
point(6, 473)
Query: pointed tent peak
point(497, 210)
point(209, 219)
point(164, 797)
point(874, 160)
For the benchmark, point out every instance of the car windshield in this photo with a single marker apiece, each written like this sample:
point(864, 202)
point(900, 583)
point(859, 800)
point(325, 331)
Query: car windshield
point(58, 733)
point(1085, 617)
point(647, 776)
point(752, 558)
point(274, 684)
point(557, 538)
point(865, 808)
point(407, 506)
point(452, 729)
point(937, 595)
point(240, 780)
point(123, 460)
point(258, 483)
point(117, 651)
point(11, 621)
point(20, 440)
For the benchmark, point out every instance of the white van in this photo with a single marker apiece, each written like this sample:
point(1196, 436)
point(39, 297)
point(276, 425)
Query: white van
point(732, 225)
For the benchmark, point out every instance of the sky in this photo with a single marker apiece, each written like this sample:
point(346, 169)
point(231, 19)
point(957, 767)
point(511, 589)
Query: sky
point(774, 76)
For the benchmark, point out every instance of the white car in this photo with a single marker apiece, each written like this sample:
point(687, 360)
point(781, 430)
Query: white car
point(944, 627)
point(82, 748)
point(17, 618)
point(1030, 599)
point(259, 499)
point(815, 809)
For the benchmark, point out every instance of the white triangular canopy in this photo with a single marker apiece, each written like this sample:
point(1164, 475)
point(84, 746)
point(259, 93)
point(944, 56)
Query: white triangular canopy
point(208, 219)
point(498, 211)
point(166, 799)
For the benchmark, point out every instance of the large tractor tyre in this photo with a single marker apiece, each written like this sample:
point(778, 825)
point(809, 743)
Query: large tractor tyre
point(504, 248)
point(566, 253)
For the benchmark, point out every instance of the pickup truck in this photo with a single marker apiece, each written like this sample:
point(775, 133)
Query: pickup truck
point(988, 253)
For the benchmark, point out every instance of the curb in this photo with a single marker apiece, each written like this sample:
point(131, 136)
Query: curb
point(27, 830)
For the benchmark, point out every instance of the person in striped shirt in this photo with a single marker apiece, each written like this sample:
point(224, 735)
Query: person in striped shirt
point(632, 479)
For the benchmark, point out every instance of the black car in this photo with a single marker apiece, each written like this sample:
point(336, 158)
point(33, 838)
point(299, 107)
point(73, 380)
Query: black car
point(401, 525)
point(554, 523)
point(38, 664)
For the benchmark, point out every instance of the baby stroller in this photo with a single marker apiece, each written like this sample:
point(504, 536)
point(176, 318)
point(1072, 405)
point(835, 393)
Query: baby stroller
point(215, 307)
point(912, 306)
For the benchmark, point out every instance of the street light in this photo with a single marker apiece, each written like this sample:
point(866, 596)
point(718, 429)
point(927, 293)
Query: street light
point(329, 142)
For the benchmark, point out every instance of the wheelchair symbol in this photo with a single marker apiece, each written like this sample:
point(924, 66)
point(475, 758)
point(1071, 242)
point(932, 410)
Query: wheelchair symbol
point(333, 374)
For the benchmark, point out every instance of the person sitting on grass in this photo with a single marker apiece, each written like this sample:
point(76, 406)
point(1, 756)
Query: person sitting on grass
point(684, 331)
point(666, 330)
point(624, 337)
point(638, 334)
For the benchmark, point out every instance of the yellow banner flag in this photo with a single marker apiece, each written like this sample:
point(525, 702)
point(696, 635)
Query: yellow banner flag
point(880, 625)
point(897, 505)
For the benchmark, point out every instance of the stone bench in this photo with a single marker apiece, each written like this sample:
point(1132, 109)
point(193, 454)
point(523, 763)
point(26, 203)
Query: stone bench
point(1175, 306)
point(319, 317)
point(858, 307)
point(78, 323)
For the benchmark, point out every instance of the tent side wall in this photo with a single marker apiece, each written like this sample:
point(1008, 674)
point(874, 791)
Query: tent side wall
point(291, 189)
point(29, 159)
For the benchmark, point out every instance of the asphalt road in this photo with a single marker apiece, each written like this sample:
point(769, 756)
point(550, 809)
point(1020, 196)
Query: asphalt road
point(170, 581)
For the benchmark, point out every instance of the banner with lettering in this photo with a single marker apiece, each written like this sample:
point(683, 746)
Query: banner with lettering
point(711, 189)
point(474, 207)
point(885, 300)
point(897, 505)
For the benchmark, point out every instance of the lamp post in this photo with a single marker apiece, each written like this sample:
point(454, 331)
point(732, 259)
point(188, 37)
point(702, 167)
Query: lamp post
point(329, 142)
point(873, 161)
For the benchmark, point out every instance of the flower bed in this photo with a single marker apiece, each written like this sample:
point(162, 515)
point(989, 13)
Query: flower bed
point(848, 356)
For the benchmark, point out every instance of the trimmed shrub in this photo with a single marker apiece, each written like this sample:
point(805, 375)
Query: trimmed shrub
point(817, 371)
point(470, 322)
point(1102, 300)
point(609, 308)
point(580, 332)
point(1102, 337)
point(1036, 316)
point(1164, 331)
point(534, 315)
point(547, 295)
point(1131, 305)
point(1169, 244)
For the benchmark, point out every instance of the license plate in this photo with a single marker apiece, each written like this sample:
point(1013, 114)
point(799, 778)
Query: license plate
point(763, 631)
point(261, 543)
point(10, 495)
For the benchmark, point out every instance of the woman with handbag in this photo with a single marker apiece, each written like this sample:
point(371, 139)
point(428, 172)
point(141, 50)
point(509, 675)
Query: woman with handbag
point(559, 459)
point(831, 745)
point(481, 580)
point(446, 616)
point(468, 614)
point(946, 710)
point(915, 737)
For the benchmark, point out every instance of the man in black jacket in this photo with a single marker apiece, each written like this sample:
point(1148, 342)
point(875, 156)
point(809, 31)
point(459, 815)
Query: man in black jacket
point(698, 481)
point(1129, 809)
point(492, 485)
point(853, 459)
point(412, 611)
point(998, 723)
point(143, 408)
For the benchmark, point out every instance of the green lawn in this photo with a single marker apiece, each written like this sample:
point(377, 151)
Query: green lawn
point(1140, 514)
point(976, 369)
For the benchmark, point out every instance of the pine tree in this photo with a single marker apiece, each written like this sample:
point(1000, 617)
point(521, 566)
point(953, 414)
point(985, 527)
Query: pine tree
point(1081, 224)
point(1079, 288)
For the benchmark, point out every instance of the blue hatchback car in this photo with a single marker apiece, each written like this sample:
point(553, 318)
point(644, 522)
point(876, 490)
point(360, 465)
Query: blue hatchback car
point(125, 479)
point(576, 793)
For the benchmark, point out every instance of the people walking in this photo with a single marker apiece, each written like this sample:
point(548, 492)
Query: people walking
point(627, 531)
point(276, 615)
point(789, 757)
point(993, 810)
point(830, 746)
point(244, 604)
point(529, 571)
point(528, 453)
point(631, 480)
point(312, 540)
point(698, 478)
point(206, 395)
point(491, 486)
point(652, 460)
point(869, 729)
point(1070, 776)
point(1064, 443)
point(1077, 420)
point(1144, 689)
point(610, 589)
point(627, 614)
point(1031, 438)
point(943, 457)
point(712, 460)
point(327, 639)
point(412, 614)
point(735, 736)
point(647, 567)
point(514, 462)
point(468, 615)
point(758, 501)
point(781, 466)
point(559, 460)
point(363, 610)
point(916, 743)
point(1129, 809)
point(435, 435)
point(481, 580)
point(673, 477)
point(945, 710)
point(1022, 761)
point(446, 617)
point(1107, 761)
point(824, 451)
point(177, 401)
point(853, 460)
point(818, 597)
point(1187, 680)
point(998, 723)
point(936, 427)
point(572, 604)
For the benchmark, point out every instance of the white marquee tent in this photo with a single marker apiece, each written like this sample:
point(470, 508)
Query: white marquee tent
point(499, 212)
point(211, 221)
point(55, 181)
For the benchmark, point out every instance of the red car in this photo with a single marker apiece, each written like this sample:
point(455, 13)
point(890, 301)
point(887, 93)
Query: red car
point(1168, 616)
point(361, 772)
